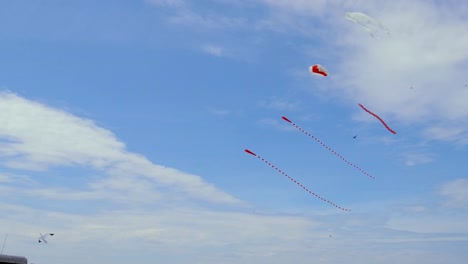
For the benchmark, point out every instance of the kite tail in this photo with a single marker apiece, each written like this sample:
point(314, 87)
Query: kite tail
point(378, 117)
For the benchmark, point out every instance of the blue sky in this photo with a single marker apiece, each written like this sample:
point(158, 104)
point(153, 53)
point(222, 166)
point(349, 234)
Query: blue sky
point(124, 125)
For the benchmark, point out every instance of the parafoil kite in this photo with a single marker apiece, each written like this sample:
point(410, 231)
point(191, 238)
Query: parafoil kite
point(318, 69)
point(371, 25)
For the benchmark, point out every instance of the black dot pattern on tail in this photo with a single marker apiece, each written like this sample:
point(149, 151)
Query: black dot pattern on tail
point(333, 151)
point(302, 186)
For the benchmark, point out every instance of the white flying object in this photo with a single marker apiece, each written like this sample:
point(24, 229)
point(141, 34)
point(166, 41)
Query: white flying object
point(374, 27)
point(42, 237)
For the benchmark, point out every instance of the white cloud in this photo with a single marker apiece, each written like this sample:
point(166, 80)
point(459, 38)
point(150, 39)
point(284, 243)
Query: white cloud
point(243, 236)
point(416, 158)
point(174, 230)
point(452, 133)
point(456, 193)
point(39, 137)
point(447, 216)
point(214, 50)
point(431, 224)
point(9, 178)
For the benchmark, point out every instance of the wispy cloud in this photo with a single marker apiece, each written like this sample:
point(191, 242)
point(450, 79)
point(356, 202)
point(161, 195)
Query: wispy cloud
point(278, 104)
point(40, 137)
point(416, 158)
point(214, 50)
point(186, 14)
point(456, 193)
point(455, 133)
point(194, 232)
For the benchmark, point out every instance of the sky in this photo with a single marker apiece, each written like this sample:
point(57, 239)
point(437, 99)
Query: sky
point(124, 124)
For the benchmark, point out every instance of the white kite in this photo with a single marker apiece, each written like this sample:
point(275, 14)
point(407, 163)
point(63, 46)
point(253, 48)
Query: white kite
point(43, 237)
point(371, 25)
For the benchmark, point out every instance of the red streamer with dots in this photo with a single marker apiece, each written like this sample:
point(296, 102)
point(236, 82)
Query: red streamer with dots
point(327, 147)
point(296, 182)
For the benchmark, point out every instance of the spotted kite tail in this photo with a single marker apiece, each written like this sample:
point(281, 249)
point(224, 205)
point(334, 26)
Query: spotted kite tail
point(296, 182)
point(327, 147)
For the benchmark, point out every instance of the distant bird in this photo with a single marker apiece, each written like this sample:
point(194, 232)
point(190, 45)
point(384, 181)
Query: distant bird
point(355, 136)
point(42, 237)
